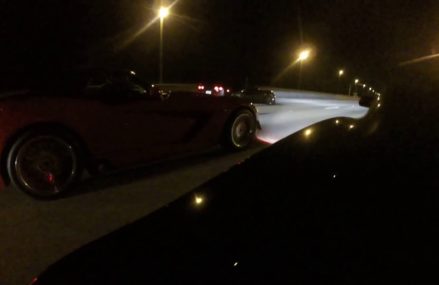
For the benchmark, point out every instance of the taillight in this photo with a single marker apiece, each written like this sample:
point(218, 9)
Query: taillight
point(216, 88)
point(200, 87)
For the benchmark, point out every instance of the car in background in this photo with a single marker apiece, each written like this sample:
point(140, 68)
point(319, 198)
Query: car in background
point(344, 201)
point(213, 89)
point(258, 95)
point(68, 122)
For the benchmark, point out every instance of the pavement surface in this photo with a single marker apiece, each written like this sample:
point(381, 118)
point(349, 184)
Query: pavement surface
point(290, 115)
point(34, 234)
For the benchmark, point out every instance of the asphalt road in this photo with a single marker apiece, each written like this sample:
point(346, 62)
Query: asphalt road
point(34, 234)
point(290, 115)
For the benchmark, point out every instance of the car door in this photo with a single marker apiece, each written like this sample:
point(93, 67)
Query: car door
point(151, 126)
point(195, 118)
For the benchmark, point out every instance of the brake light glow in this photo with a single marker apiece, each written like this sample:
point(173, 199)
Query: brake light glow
point(216, 88)
point(267, 140)
point(200, 87)
point(50, 178)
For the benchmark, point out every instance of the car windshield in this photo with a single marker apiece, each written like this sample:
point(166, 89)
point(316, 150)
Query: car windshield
point(112, 111)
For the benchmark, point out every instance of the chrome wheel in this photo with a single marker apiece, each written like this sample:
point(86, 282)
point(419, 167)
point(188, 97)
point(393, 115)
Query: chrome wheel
point(45, 165)
point(242, 130)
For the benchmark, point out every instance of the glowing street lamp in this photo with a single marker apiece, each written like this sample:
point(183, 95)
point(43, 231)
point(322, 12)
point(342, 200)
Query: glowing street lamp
point(304, 55)
point(162, 13)
point(356, 82)
point(340, 75)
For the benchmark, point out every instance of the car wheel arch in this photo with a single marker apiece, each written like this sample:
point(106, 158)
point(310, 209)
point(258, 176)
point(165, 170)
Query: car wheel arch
point(236, 111)
point(242, 108)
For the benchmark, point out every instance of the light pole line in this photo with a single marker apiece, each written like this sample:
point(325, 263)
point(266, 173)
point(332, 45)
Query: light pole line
point(299, 83)
point(161, 51)
point(163, 13)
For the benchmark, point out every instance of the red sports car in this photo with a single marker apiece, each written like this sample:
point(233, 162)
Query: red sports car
point(81, 120)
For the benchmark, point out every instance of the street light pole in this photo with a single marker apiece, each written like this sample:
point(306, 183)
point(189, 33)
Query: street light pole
point(303, 56)
point(161, 51)
point(340, 75)
point(163, 13)
point(356, 81)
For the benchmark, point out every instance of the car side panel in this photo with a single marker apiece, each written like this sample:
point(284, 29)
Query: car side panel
point(179, 125)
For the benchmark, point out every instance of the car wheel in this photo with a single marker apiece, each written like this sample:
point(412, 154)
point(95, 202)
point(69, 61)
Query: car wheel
point(43, 164)
point(241, 131)
point(268, 101)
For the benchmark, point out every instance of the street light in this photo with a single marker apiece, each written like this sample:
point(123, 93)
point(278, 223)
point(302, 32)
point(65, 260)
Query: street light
point(356, 81)
point(340, 75)
point(163, 13)
point(303, 55)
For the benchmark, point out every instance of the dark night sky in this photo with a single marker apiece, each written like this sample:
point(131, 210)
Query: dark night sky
point(222, 40)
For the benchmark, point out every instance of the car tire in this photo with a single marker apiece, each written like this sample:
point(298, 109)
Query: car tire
point(44, 164)
point(240, 131)
point(268, 101)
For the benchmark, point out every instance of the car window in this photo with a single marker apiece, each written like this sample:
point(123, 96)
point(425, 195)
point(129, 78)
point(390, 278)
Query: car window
point(136, 84)
point(126, 84)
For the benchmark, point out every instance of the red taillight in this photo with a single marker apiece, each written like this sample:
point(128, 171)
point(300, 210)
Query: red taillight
point(50, 178)
point(34, 281)
point(200, 87)
point(217, 89)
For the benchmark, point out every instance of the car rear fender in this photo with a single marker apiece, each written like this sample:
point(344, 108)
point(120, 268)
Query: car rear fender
point(253, 110)
point(250, 108)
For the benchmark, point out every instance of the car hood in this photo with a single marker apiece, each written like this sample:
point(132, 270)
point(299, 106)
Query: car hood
point(338, 203)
